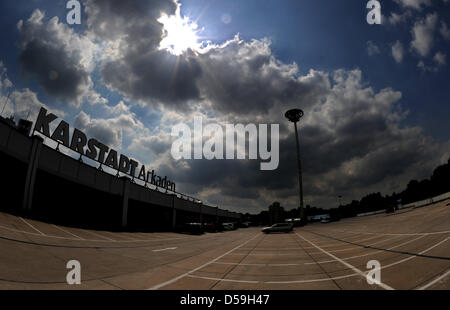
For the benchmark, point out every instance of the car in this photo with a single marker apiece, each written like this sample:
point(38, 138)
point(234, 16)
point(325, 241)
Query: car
point(279, 227)
point(325, 221)
point(228, 226)
point(210, 227)
point(245, 224)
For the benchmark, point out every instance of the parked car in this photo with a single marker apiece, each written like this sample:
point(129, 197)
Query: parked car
point(279, 227)
point(228, 226)
point(245, 224)
point(210, 227)
point(191, 228)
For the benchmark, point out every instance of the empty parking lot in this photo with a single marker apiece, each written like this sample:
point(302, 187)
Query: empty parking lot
point(411, 245)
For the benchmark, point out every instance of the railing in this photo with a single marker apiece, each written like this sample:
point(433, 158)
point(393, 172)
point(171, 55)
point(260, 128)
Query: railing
point(426, 202)
point(416, 204)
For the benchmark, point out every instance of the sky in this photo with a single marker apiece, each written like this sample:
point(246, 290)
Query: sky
point(375, 97)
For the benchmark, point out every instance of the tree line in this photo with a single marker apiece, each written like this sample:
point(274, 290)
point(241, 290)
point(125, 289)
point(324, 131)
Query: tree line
point(437, 184)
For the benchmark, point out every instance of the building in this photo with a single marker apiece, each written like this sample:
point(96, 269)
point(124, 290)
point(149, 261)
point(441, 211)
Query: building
point(47, 183)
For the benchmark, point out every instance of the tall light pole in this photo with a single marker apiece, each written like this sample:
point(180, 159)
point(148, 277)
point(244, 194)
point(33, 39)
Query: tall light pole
point(294, 116)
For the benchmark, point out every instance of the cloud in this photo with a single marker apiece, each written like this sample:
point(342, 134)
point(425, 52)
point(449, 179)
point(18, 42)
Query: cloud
point(59, 58)
point(352, 141)
point(116, 19)
point(423, 34)
point(348, 128)
point(108, 130)
point(398, 51)
point(20, 103)
point(395, 18)
point(414, 4)
point(133, 64)
point(440, 58)
point(445, 32)
point(372, 48)
point(244, 77)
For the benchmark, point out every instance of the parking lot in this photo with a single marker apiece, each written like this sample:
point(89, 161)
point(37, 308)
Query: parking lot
point(411, 245)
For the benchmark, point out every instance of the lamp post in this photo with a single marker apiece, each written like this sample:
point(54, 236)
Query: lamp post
point(294, 116)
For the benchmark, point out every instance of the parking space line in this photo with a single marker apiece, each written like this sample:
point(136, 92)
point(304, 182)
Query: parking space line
point(32, 226)
point(166, 249)
point(356, 270)
point(263, 265)
point(337, 244)
point(276, 282)
point(414, 256)
point(158, 286)
point(397, 234)
point(349, 249)
point(101, 236)
point(68, 232)
point(87, 231)
point(371, 253)
point(431, 283)
point(224, 280)
point(266, 254)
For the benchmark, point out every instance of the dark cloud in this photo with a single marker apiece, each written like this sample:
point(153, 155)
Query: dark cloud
point(108, 131)
point(140, 70)
point(352, 142)
point(238, 76)
point(56, 72)
point(244, 77)
point(113, 19)
point(154, 78)
point(56, 56)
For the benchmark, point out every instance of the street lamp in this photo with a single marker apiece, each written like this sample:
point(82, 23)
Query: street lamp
point(294, 116)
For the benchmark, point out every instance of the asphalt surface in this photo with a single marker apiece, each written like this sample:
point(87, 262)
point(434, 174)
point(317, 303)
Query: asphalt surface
point(412, 247)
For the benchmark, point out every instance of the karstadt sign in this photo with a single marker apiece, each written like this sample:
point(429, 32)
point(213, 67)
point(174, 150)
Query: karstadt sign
point(97, 151)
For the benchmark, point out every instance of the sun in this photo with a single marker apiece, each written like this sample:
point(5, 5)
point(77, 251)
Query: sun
point(180, 34)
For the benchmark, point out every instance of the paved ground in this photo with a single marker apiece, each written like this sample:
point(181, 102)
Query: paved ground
point(412, 247)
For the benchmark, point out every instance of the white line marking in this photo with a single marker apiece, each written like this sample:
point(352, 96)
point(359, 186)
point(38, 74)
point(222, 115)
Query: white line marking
point(328, 279)
point(414, 256)
point(264, 265)
point(322, 262)
point(168, 249)
point(362, 274)
point(158, 286)
point(93, 240)
point(392, 234)
point(329, 245)
point(68, 232)
point(301, 250)
point(356, 247)
point(434, 281)
point(313, 280)
point(32, 226)
point(220, 279)
point(101, 236)
point(269, 254)
point(311, 247)
point(371, 253)
point(275, 282)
